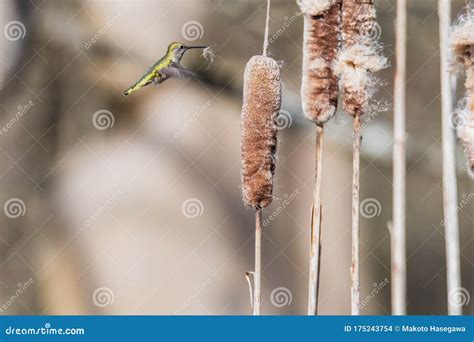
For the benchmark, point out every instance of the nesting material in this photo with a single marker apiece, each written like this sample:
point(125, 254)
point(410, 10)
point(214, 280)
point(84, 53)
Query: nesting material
point(319, 90)
point(462, 44)
point(360, 56)
point(261, 104)
point(208, 54)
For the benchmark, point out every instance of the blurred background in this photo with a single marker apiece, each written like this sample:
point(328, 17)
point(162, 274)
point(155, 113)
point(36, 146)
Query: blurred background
point(132, 205)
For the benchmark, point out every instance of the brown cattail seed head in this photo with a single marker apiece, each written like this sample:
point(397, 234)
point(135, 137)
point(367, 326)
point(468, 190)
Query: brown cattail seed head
point(359, 57)
point(319, 89)
point(261, 104)
point(462, 44)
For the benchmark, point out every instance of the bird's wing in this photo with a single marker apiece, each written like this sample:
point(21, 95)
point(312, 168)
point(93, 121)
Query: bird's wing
point(176, 71)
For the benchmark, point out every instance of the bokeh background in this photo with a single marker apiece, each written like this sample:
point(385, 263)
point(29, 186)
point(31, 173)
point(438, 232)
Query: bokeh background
point(132, 205)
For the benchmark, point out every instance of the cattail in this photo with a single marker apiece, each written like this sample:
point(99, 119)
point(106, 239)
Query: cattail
point(319, 94)
point(319, 90)
point(358, 59)
point(462, 44)
point(261, 104)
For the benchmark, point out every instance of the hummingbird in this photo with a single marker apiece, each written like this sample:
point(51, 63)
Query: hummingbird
point(166, 67)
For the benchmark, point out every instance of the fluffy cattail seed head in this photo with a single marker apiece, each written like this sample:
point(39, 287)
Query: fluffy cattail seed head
point(261, 104)
point(360, 56)
point(314, 8)
point(319, 89)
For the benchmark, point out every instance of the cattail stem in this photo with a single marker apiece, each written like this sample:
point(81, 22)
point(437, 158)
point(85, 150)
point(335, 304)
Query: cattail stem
point(258, 262)
point(260, 106)
point(267, 27)
point(398, 262)
point(319, 93)
point(315, 247)
point(355, 268)
point(449, 164)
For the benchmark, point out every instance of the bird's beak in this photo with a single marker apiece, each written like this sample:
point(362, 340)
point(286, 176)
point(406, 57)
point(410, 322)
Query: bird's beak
point(195, 47)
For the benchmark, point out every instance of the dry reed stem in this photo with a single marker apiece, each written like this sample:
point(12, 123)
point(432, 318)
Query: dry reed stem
point(355, 267)
point(449, 164)
point(316, 220)
point(319, 88)
point(398, 248)
point(258, 262)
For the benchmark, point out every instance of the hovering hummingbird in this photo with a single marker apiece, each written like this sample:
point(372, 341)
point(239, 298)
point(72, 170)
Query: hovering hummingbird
point(166, 67)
